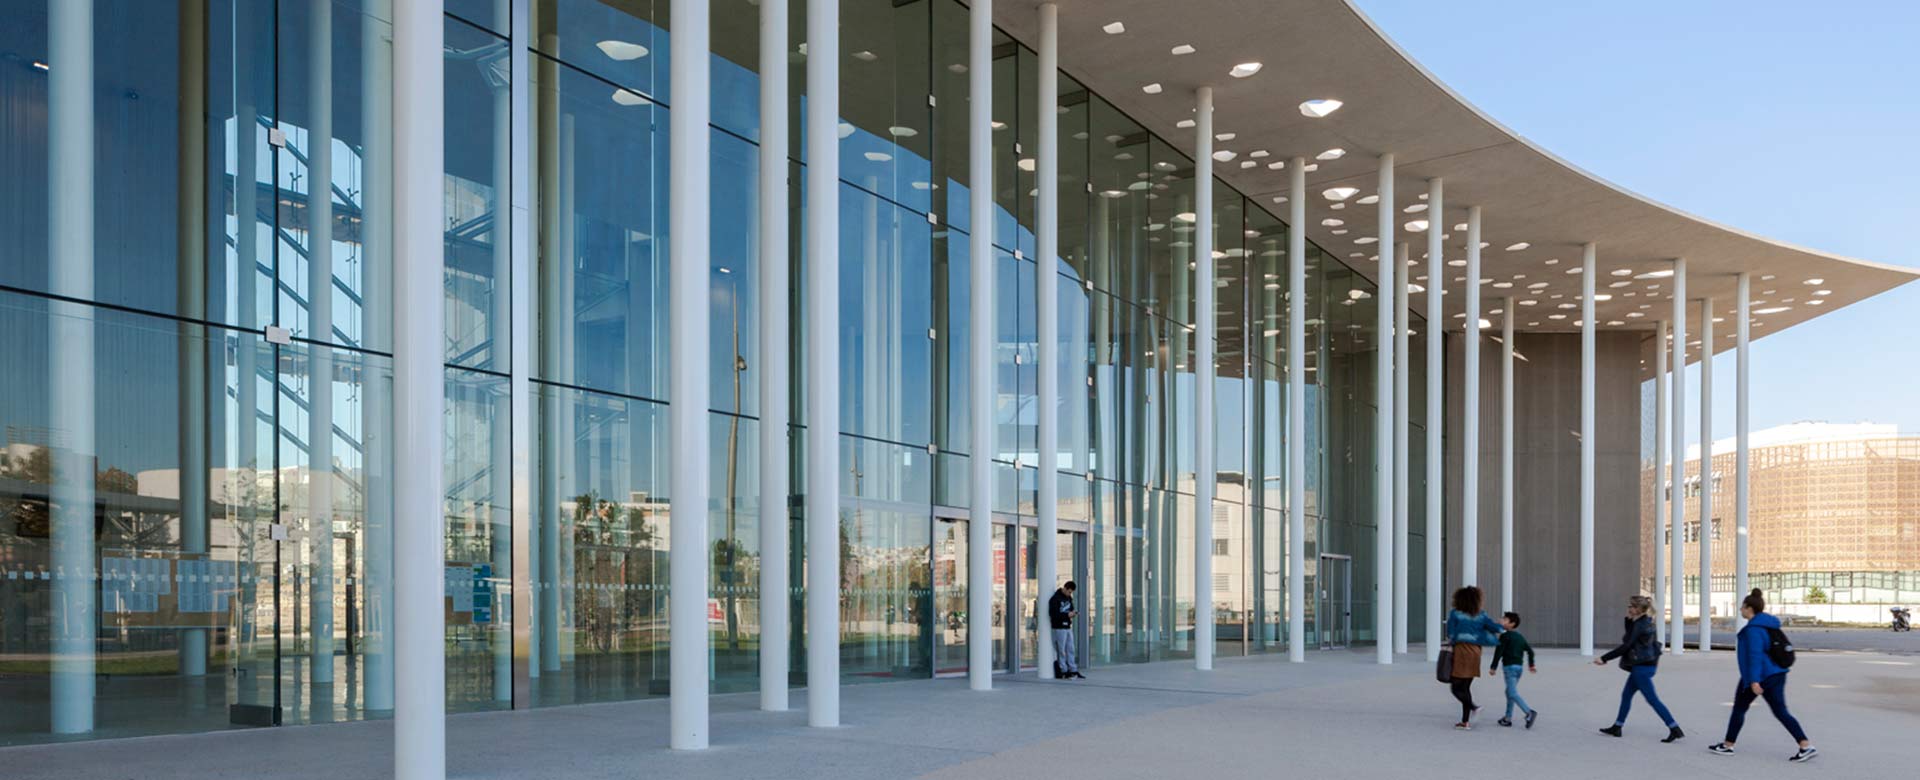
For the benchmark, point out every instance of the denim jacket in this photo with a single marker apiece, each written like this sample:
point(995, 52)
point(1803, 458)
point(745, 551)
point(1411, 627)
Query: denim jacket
point(1473, 629)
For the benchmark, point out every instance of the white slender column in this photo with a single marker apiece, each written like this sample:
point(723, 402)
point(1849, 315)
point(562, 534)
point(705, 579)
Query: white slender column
point(823, 368)
point(1589, 256)
point(500, 422)
point(195, 515)
point(1741, 457)
point(687, 189)
point(419, 385)
point(1436, 414)
point(980, 342)
point(1677, 551)
point(376, 252)
point(556, 323)
point(1470, 428)
point(1047, 293)
point(1384, 453)
point(1660, 435)
point(1297, 410)
point(70, 174)
point(1204, 476)
point(1507, 588)
point(1706, 473)
point(320, 330)
point(1402, 374)
point(775, 380)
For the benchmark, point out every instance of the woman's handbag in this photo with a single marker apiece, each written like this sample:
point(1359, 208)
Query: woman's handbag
point(1443, 669)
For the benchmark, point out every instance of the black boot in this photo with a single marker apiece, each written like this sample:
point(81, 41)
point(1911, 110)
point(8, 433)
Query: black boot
point(1611, 731)
point(1674, 734)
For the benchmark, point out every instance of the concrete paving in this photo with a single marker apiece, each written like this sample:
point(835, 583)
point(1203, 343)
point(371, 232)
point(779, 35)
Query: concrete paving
point(1339, 715)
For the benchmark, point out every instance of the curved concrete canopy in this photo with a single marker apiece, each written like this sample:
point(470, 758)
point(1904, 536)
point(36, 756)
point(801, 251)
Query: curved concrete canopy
point(1329, 49)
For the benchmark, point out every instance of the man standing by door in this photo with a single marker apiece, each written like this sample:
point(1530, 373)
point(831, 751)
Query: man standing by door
point(1060, 614)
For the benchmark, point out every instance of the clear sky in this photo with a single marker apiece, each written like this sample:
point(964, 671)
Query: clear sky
point(1788, 119)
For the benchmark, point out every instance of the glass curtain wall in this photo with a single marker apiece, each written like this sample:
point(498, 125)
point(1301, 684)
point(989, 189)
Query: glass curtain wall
point(235, 567)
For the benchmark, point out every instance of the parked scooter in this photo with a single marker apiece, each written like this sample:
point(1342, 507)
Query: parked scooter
point(1902, 619)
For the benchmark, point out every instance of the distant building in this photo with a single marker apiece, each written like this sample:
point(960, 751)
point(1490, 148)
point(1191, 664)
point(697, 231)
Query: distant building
point(1833, 520)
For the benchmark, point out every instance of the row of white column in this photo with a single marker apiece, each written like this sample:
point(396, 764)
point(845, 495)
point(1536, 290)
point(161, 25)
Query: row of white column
point(1670, 462)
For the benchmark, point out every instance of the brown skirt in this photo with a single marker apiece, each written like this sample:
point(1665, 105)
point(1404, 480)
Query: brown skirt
point(1466, 661)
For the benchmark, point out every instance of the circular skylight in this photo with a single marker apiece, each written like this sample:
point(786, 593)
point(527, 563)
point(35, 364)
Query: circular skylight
point(622, 50)
point(1319, 107)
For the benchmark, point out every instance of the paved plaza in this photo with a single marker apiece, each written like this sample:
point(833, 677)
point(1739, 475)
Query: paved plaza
point(1339, 715)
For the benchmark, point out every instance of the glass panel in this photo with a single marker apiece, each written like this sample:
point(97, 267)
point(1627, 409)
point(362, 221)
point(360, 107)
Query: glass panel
point(601, 168)
point(886, 319)
point(478, 161)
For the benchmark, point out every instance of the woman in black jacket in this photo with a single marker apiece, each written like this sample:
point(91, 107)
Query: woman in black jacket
point(1639, 654)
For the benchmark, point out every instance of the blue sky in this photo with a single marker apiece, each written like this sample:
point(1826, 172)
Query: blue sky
point(1786, 119)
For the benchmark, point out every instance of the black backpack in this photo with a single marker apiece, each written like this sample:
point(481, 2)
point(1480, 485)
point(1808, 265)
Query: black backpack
point(1779, 648)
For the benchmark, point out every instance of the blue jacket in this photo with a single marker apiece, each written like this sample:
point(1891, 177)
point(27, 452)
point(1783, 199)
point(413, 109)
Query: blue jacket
point(1473, 629)
point(1751, 647)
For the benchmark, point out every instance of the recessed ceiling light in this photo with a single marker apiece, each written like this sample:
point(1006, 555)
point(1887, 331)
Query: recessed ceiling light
point(1556, 316)
point(1772, 310)
point(998, 125)
point(1310, 167)
point(1319, 108)
point(1461, 226)
point(1517, 247)
point(1244, 70)
point(1603, 297)
point(1660, 274)
point(1822, 292)
point(1814, 282)
point(1225, 155)
point(1530, 302)
point(1340, 232)
point(621, 50)
point(1618, 285)
point(1185, 216)
point(1028, 164)
point(1368, 200)
point(865, 56)
point(1415, 208)
point(957, 67)
point(1151, 89)
point(1766, 277)
point(1257, 153)
point(1113, 194)
point(1224, 137)
point(1503, 285)
point(1331, 154)
point(879, 156)
point(1279, 198)
point(1337, 206)
point(1276, 165)
point(627, 97)
point(1182, 49)
point(1184, 124)
point(1358, 295)
point(1457, 262)
point(1537, 286)
point(1331, 222)
point(1417, 226)
point(1114, 28)
point(1340, 193)
point(1245, 164)
point(1366, 239)
point(899, 131)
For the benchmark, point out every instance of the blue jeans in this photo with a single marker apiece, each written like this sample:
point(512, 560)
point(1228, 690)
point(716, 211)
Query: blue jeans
point(1640, 679)
point(1513, 673)
point(1774, 689)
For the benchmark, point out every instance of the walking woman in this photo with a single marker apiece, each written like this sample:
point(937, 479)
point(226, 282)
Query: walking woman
point(1639, 654)
point(1468, 629)
point(1761, 677)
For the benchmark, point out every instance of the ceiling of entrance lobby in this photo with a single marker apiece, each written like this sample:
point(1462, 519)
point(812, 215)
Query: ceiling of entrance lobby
point(1537, 209)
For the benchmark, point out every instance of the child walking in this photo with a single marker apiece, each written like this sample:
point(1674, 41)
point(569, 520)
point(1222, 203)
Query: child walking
point(1513, 649)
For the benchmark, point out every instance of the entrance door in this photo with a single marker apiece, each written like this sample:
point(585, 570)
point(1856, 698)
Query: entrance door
point(1335, 607)
point(950, 595)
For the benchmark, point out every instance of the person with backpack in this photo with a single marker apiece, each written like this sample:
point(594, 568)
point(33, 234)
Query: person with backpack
point(1468, 630)
point(1765, 655)
point(1639, 654)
